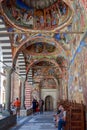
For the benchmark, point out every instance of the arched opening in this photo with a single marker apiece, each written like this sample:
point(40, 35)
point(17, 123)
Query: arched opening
point(48, 103)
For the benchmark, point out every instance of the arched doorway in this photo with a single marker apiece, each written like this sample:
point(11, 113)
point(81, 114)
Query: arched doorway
point(48, 103)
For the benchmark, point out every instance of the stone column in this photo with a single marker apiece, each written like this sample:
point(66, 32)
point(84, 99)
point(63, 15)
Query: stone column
point(8, 88)
point(60, 89)
point(22, 93)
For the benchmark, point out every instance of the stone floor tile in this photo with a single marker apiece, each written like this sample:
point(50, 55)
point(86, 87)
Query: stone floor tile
point(37, 122)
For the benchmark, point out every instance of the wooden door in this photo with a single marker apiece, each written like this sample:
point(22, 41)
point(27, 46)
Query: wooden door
point(48, 103)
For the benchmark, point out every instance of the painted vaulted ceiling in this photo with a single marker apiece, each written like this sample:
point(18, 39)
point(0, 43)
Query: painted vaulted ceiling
point(41, 34)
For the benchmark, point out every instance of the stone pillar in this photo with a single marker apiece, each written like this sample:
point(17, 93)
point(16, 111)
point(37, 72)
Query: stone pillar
point(23, 93)
point(60, 89)
point(8, 88)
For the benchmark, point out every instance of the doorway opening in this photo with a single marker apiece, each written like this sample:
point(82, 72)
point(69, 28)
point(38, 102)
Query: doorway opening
point(48, 103)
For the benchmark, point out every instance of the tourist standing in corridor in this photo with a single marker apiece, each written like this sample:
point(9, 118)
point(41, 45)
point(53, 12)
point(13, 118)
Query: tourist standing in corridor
point(34, 103)
point(17, 105)
point(41, 103)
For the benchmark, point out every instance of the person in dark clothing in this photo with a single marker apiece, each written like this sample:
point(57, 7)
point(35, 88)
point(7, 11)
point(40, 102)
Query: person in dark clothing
point(37, 107)
point(34, 105)
point(41, 103)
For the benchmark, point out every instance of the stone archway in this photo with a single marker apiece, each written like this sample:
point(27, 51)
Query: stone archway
point(49, 103)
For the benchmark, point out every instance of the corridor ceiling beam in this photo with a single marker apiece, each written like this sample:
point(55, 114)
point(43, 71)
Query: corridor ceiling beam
point(73, 32)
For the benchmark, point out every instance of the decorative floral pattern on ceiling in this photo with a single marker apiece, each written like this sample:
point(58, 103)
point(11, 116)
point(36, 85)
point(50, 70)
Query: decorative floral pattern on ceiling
point(37, 14)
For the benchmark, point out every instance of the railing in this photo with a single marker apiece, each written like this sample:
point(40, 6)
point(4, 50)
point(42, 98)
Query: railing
point(75, 117)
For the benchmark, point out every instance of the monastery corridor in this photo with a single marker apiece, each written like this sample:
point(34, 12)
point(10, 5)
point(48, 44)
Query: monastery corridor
point(43, 63)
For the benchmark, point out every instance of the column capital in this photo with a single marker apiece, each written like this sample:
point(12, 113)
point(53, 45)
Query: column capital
point(8, 70)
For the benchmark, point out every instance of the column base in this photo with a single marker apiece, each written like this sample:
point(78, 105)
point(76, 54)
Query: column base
point(23, 112)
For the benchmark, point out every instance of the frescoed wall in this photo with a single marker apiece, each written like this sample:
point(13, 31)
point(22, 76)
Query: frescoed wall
point(77, 73)
point(85, 4)
point(77, 77)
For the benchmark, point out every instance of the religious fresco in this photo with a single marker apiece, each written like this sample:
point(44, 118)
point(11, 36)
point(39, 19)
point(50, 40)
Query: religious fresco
point(37, 40)
point(77, 84)
point(85, 4)
point(46, 69)
point(41, 47)
point(18, 38)
point(63, 64)
point(63, 39)
point(70, 41)
point(36, 46)
point(66, 39)
point(37, 14)
point(83, 79)
point(43, 70)
point(79, 17)
point(80, 47)
point(48, 83)
point(77, 70)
